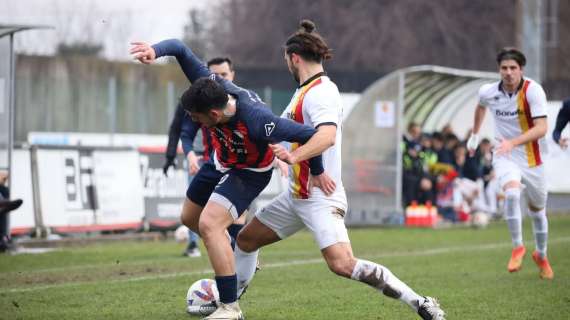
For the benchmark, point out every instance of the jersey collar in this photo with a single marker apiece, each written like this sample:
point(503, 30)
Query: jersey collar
point(320, 74)
point(518, 88)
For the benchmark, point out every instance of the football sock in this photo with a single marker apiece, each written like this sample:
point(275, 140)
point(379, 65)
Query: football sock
point(382, 279)
point(540, 230)
point(227, 288)
point(513, 215)
point(245, 267)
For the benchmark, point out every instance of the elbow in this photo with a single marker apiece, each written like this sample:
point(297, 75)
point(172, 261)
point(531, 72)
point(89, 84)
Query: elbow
point(330, 141)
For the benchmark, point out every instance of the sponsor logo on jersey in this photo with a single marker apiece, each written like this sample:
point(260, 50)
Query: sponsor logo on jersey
point(269, 127)
point(500, 113)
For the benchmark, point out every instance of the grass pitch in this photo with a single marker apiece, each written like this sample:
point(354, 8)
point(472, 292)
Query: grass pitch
point(464, 268)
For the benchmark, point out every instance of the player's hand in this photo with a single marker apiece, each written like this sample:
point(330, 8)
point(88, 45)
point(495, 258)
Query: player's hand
point(504, 148)
point(143, 52)
point(563, 142)
point(283, 167)
point(169, 163)
point(323, 182)
point(472, 144)
point(283, 154)
point(193, 163)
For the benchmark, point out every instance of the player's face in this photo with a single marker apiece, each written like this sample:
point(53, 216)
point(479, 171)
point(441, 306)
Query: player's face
point(223, 70)
point(511, 73)
point(294, 70)
point(209, 119)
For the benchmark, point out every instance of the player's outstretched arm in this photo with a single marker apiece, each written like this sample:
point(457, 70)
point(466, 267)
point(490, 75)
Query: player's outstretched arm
point(192, 67)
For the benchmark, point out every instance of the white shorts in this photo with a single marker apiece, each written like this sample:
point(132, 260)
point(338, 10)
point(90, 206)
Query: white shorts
point(533, 179)
point(286, 215)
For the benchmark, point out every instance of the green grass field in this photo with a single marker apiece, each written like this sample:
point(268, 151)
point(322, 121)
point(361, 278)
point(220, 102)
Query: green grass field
point(464, 268)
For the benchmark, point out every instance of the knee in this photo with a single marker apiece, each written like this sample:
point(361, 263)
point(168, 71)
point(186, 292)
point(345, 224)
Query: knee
point(246, 243)
point(208, 228)
point(512, 194)
point(342, 267)
point(535, 211)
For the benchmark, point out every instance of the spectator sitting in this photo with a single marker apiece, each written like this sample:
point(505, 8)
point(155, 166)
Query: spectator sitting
point(443, 154)
point(417, 184)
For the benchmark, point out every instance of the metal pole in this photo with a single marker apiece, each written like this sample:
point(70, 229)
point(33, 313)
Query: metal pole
point(38, 217)
point(399, 124)
point(11, 107)
point(112, 108)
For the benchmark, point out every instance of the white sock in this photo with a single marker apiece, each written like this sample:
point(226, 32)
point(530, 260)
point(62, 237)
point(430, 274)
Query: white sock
point(540, 230)
point(382, 279)
point(245, 267)
point(513, 215)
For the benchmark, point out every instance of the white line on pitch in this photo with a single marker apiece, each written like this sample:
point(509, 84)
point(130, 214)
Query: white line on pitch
point(428, 252)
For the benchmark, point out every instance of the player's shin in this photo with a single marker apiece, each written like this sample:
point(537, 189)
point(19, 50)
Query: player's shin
point(382, 279)
point(540, 230)
point(246, 263)
point(513, 215)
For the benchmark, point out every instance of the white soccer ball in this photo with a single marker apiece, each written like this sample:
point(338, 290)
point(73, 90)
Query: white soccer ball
point(480, 220)
point(181, 234)
point(200, 294)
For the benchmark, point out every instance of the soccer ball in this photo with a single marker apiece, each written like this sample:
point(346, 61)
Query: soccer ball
point(200, 297)
point(479, 220)
point(181, 234)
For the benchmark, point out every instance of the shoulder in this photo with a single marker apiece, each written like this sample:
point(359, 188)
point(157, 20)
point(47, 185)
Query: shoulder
point(489, 90)
point(534, 90)
point(325, 89)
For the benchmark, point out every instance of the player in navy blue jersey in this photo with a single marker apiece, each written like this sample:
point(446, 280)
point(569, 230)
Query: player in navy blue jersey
point(242, 129)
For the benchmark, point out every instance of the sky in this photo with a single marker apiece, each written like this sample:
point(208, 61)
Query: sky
point(113, 22)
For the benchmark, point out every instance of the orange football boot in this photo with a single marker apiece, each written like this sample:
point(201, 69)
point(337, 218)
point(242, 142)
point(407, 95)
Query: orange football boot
point(544, 266)
point(515, 264)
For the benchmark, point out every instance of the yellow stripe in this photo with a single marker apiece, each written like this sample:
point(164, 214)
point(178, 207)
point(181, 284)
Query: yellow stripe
point(525, 126)
point(295, 182)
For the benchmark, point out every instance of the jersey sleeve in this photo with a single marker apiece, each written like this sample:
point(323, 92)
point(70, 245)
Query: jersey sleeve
point(174, 133)
point(483, 97)
point(322, 107)
point(536, 100)
point(192, 67)
point(188, 133)
point(562, 119)
point(264, 125)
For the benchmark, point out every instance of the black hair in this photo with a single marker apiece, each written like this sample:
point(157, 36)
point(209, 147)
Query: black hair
point(204, 95)
point(510, 53)
point(307, 43)
point(220, 60)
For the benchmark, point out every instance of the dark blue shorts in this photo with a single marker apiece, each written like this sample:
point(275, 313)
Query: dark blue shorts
point(234, 189)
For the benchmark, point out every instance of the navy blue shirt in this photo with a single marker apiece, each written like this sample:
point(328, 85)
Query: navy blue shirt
point(561, 120)
point(243, 141)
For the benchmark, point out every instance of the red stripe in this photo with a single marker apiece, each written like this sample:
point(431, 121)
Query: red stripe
point(304, 165)
point(535, 147)
point(206, 143)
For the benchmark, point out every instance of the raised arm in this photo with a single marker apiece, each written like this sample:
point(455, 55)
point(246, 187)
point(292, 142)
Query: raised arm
point(192, 67)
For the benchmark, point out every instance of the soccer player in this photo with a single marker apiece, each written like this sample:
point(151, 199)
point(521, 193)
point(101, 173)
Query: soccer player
point(183, 128)
point(317, 103)
point(518, 105)
point(562, 120)
point(241, 127)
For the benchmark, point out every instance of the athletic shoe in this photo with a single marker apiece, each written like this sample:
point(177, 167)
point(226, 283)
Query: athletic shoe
point(203, 310)
point(226, 311)
point(515, 263)
point(544, 266)
point(193, 253)
point(431, 310)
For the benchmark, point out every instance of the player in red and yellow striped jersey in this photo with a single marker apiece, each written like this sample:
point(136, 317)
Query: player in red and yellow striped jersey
point(518, 105)
point(317, 103)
